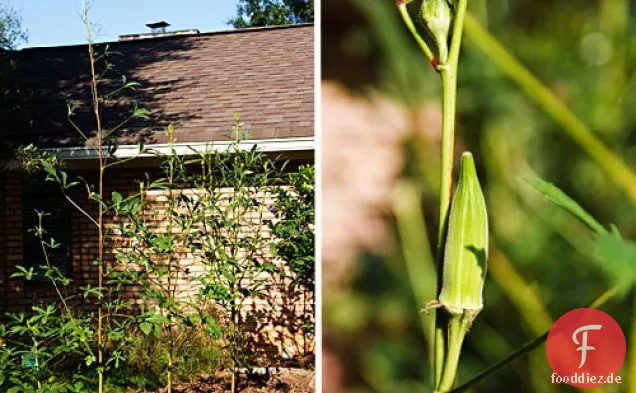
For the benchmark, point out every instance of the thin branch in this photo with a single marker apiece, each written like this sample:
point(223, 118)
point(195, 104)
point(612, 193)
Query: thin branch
point(76, 127)
point(404, 12)
point(119, 126)
point(67, 309)
point(115, 163)
point(84, 212)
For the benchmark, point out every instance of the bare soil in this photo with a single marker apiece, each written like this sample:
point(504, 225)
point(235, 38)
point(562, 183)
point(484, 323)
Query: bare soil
point(288, 380)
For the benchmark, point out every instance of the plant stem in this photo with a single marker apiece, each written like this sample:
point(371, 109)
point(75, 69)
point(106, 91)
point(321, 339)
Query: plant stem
point(440, 345)
point(100, 279)
point(597, 303)
point(457, 328)
point(448, 75)
point(100, 207)
point(170, 370)
point(233, 385)
point(170, 234)
point(449, 98)
point(611, 163)
point(503, 362)
point(58, 291)
point(458, 31)
point(445, 364)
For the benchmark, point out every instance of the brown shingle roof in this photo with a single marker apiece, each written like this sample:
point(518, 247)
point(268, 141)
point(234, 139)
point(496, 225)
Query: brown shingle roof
point(194, 82)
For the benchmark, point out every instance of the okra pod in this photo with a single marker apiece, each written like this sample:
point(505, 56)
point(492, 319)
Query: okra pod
point(466, 247)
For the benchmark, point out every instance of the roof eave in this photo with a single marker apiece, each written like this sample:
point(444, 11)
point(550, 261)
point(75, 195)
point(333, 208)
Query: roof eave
point(280, 145)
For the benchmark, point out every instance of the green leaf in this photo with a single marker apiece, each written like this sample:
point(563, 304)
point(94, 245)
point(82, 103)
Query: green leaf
point(619, 260)
point(116, 197)
point(48, 167)
point(140, 113)
point(23, 272)
point(90, 359)
point(158, 319)
point(89, 291)
point(145, 327)
point(117, 358)
point(555, 195)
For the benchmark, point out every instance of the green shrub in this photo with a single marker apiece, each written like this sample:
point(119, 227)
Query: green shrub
point(197, 354)
point(42, 351)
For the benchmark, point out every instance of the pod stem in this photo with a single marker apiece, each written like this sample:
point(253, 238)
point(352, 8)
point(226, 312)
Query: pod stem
point(456, 329)
point(448, 75)
point(448, 337)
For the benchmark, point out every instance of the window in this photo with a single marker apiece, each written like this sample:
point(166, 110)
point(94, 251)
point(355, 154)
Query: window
point(43, 196)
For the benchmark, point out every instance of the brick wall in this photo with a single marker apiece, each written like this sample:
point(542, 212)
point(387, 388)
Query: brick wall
point(3, 237)
point(15, 293)
point(276, 323)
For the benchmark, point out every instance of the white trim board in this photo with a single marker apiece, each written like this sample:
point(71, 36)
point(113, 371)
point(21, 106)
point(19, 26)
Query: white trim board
point(183, 149)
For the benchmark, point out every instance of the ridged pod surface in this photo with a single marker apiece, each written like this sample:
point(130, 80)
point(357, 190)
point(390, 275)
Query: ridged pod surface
point(466, 247)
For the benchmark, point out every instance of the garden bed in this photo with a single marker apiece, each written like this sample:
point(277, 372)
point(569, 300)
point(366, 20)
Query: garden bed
point(288, 380)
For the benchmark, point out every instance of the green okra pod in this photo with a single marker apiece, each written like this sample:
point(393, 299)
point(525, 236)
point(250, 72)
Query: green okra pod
point(466, 247)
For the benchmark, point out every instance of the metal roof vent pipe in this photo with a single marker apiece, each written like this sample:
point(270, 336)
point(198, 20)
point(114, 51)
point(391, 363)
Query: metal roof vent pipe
point(158, 27)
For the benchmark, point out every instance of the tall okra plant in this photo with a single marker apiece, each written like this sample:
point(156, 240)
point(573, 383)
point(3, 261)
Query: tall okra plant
point(462, 237)
point(293, 232)
point(100, 335)
point(462, 240)
point(231, 191)
point(211, 249)
point(152, 255)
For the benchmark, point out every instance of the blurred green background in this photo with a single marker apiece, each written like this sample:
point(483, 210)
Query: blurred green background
point(542, 263)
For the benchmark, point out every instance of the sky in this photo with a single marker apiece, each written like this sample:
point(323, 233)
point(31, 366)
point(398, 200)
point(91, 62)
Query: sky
point(58, 22)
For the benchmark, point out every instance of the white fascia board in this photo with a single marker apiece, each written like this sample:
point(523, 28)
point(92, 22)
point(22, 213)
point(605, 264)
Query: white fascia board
point(184, 149)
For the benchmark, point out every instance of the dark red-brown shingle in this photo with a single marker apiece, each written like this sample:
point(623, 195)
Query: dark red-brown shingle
point(194, 82)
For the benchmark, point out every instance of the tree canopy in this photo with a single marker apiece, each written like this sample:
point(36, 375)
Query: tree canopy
point(11, 32)
point(13, 98)
point(255, 13)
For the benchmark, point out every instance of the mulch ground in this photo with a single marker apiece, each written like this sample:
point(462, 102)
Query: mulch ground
point(289, 380)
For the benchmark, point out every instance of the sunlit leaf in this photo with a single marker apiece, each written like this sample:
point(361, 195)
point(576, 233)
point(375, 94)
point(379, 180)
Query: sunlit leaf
point(555, 195)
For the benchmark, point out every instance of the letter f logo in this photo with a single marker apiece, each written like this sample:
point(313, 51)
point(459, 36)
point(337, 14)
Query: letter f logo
point(572, 338)
point(584, 347)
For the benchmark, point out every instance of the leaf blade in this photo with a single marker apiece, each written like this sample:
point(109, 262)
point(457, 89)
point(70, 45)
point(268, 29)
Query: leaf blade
point(557, 197)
